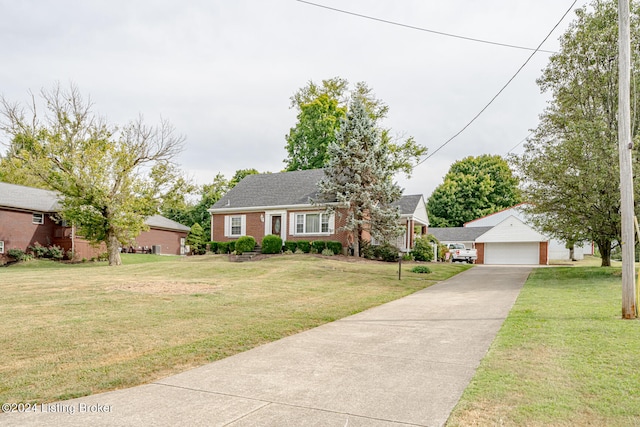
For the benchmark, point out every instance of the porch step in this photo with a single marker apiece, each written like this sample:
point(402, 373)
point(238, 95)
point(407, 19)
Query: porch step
point(247, 256)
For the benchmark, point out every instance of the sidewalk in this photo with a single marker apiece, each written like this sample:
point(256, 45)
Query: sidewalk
point(405, 363)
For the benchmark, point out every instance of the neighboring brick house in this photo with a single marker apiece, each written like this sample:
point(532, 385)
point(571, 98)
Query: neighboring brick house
point(282, 204)
point(29, 215)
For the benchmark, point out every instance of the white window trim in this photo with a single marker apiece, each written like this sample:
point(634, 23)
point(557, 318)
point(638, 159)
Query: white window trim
point(33, 218)
point(1, 246)
point(293, 224)
point(228, 220)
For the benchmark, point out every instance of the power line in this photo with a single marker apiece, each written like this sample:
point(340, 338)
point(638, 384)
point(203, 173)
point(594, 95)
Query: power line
point(518, 144)
point(425, 29)
point(500, 91)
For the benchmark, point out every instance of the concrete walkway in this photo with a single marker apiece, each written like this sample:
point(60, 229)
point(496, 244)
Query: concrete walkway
point(405, 363)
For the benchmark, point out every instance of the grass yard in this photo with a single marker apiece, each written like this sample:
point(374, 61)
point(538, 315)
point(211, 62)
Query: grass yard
point(74, 330)
point(563, 357)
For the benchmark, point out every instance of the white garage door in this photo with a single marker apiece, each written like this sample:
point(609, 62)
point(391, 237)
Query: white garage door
point(511, 253)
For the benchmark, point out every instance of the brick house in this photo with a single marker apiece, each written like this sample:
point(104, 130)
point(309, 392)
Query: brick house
point(29, 215)
point(282, 204)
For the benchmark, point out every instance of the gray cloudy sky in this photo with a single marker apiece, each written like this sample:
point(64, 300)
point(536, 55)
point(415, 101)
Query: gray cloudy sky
point(223, 71)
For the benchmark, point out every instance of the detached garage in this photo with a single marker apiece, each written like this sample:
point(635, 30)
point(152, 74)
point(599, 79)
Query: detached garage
point(512, 242)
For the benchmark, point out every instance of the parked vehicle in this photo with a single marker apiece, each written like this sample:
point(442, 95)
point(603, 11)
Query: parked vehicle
point(459, 253)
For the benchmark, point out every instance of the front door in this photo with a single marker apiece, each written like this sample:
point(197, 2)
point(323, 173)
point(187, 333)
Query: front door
point(276, 224)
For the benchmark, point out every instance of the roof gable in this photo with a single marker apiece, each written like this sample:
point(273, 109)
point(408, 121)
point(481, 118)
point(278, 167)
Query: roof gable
point(511, 230)
point(158, 221)
point(497, 217)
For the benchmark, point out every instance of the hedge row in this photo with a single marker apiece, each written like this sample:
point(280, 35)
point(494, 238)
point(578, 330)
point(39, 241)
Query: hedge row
point(273, 244)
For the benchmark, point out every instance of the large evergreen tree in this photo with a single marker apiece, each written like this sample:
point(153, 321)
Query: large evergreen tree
point(570, 166)
point(473, 187)
point(359, 176)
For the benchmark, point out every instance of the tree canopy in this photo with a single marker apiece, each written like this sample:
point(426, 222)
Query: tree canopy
point(473, 187)
point(110, 178)
point(359, 177)
point(321, 109)
point(570, 165)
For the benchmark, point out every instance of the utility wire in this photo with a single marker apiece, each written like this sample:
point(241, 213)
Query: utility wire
point(518, 144)
point(500, 91)
point(425, 29)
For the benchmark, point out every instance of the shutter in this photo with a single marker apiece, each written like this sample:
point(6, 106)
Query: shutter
point(332, 224)
point(292, 224)
point(227, 226)
point(243, 228)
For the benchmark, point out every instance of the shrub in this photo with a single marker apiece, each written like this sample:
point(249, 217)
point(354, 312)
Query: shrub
point(327, 252)
point(56, 252)
point(245, 244)
point(407, 257)
point(318, 246)
point(290, 245)
point(335, 247)
point(18, 254)
point(223, 247)
point(304, 246)
point(423, 269)
point(104, 256)
point(38, 250)
point(422, 250)
point(366, 249)
point(271, 244)
point(387, 252)
point(213, 247)
point(232, 246)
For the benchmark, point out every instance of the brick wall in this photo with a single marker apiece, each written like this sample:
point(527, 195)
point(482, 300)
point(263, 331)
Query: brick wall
point(18, 231)
point(168, 239)
point(480, 249)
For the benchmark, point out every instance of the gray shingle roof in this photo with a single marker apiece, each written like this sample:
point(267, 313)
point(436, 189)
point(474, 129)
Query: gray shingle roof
point(158, 221)
point(273, 189)
point(38, 200)
point(28, 198)
point(458, 234)
point(408, 204)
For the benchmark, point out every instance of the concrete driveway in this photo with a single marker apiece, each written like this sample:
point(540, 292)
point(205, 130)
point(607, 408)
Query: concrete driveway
point(405, 363)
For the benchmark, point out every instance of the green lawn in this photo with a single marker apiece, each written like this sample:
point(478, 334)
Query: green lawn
point(74, 330)
point(563, 357)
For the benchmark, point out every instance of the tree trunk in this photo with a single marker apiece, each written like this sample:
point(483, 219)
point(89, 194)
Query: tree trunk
point(113, 248)
point(572, 255)
point(604, 246)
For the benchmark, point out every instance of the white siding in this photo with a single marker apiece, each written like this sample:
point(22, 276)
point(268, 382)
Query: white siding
point(511, 230)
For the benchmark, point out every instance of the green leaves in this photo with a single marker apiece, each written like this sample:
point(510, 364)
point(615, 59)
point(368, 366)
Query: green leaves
point(474, 187)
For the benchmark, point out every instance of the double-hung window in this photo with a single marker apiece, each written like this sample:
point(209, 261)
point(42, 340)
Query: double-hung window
point(312, 223)
point(1, 246)
point(235, 225)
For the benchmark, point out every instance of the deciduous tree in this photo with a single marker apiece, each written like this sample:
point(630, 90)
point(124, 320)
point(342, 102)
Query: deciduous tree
point(110, 178)
point(473, 187)
point(570, 165)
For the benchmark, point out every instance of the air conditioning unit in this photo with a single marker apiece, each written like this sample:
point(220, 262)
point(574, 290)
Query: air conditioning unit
point(157, 249)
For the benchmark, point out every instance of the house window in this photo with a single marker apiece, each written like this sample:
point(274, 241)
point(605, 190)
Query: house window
point(312, 223)
point(235, 226)
point(38, 218)
point(1, 246)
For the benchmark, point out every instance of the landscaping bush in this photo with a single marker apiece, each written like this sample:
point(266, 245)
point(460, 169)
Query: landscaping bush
point(245, 244)
point(18, 254)
point(223, 247)
point(327, 252)
point(56, 252)
point(271, 244)
point(38, 250)
point(407, 257)
point(290, 245)
point(335, 247)
point(366, 249)
point(422, 250)
point(318, 246)
point(423, 269)
point(213, 247)
point(232, 246)
point(387, 252)
point(304, 246)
